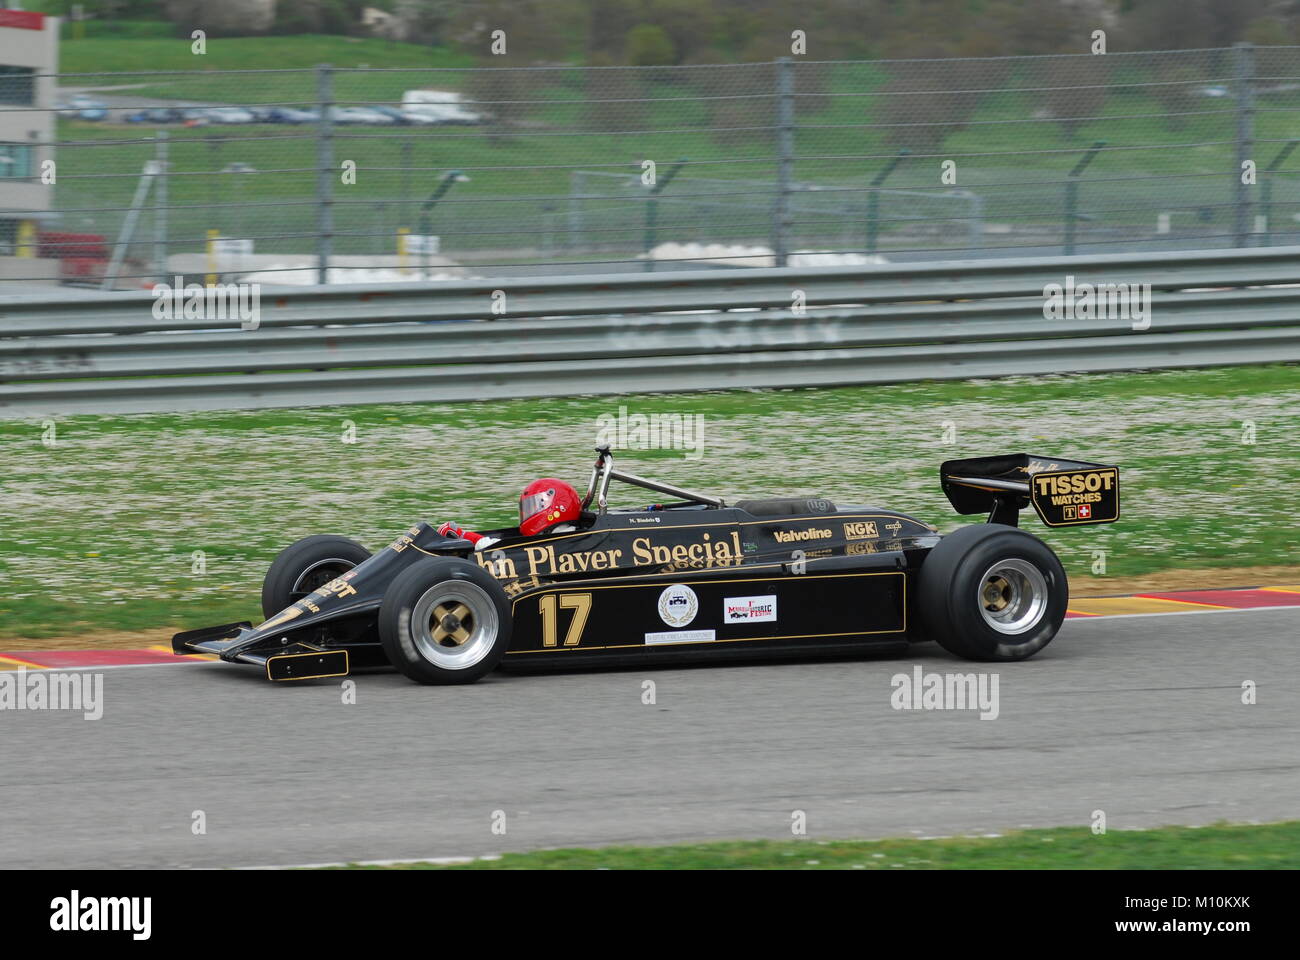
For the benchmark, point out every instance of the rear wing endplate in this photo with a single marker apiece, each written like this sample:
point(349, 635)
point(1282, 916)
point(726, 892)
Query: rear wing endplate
point(1063, 492)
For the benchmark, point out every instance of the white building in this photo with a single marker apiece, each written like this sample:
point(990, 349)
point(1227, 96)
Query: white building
point(29, 56)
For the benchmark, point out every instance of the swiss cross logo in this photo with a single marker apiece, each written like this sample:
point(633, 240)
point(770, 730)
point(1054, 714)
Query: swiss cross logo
point(1085, 511)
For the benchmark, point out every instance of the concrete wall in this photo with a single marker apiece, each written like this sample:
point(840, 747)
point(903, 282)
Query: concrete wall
point(29, 268)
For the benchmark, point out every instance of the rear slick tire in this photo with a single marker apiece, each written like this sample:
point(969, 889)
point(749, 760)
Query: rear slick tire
point(991, 592)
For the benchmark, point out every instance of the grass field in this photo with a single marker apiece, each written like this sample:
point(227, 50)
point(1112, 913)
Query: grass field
point(116, 53)
point(100, 531)
point(1273, 846)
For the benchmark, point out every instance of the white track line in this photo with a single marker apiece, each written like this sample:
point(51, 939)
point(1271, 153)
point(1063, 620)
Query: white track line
point(437, 861)
point(110, 666)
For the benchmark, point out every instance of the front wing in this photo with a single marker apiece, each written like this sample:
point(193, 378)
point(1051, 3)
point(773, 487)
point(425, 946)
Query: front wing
point(286, 661)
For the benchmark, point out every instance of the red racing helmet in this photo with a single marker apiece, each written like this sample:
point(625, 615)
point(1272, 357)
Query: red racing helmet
point(546, 502)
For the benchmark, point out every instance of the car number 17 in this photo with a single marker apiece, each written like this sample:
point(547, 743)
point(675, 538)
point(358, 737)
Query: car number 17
point(579, 603)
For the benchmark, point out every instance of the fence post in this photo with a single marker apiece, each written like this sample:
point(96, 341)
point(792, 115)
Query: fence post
point(404, 210)
point(576, 183)
point(160, 207)
point(975, 223)
point(1243, 72)
point(324, 172)
point(1072, 215)
point(873, 198)
point(652, 212)
point(1266, 190)
point(784, 158)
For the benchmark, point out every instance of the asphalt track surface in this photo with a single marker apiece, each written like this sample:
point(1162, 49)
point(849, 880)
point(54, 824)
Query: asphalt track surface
point(1138, 716)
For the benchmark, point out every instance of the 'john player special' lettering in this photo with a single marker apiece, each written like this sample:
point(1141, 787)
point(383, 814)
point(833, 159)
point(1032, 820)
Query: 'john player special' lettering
point(545, 560)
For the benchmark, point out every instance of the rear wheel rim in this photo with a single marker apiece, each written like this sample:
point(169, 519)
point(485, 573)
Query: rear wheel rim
point(1012, 596)
point(454, 624)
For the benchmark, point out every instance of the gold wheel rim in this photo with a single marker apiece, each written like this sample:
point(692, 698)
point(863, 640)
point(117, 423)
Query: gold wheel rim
point(451, 624)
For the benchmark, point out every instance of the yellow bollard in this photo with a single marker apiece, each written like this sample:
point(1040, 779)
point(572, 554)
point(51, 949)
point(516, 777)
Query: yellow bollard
point(402, 234)
point(26, 240)
point(211, 279)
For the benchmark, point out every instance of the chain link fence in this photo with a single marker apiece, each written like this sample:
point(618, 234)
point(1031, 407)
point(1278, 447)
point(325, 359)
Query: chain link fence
point(121, 180)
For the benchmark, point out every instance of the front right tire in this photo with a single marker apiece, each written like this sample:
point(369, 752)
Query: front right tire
point(306, 565)
point(445, 620)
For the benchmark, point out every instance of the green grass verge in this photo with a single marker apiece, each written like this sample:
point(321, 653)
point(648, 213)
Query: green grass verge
point(134, 522)
point(1273, 846)
point(147, 50)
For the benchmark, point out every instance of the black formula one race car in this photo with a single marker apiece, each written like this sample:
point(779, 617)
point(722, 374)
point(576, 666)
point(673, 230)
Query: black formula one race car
point(688, 579)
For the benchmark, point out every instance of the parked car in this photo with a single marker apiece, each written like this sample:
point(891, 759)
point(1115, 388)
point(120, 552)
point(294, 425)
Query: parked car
point(166, 115)
point(155, 115)
point(363, 116)
point(439, 106)
point(291, 115)
point(229, 115)
point(82, 107)
point(397, 116)
point(414, 117)
point(430, 114)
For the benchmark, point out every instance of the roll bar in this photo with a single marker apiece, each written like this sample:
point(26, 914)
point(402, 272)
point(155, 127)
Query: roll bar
point(603, 471)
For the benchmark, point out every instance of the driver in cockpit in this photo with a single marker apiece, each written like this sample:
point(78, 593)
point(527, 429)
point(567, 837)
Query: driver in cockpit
point(547, 505)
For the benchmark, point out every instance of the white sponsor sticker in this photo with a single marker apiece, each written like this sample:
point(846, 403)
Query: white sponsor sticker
point(678, 605)
point(681, 636)
point(749, 609)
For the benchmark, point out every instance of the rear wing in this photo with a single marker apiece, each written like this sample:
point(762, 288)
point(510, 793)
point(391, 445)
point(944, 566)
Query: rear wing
point(1064, 493)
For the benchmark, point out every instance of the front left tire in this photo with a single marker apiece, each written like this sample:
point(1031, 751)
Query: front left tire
point(444, 621)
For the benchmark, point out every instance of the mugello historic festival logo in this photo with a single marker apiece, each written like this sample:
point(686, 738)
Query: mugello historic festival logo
point(749, 609)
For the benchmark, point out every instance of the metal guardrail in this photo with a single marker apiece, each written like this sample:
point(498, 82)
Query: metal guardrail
point(645, 332)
